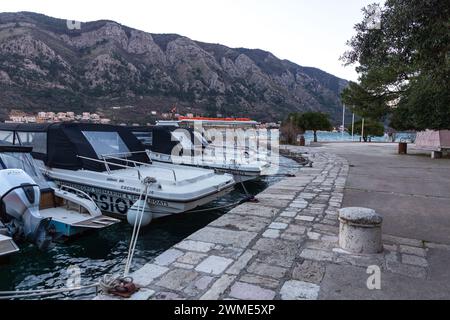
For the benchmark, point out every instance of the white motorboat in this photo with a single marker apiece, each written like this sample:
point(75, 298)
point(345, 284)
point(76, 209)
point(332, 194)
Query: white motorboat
point(7, 245)
point(170, 144)
point(110, 165)
point(68, 211)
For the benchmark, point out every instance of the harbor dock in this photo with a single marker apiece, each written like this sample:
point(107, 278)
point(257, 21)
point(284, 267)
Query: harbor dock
point(286, 245)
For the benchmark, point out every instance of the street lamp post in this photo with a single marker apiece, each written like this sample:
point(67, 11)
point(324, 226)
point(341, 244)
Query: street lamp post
point(343, 121)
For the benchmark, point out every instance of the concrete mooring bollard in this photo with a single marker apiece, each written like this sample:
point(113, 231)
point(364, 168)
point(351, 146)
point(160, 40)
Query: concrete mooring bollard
point(360, 230)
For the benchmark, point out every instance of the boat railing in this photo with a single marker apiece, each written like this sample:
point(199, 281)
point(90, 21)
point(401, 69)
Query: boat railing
point(117, 157)
point(108, 163)
point(136, 164)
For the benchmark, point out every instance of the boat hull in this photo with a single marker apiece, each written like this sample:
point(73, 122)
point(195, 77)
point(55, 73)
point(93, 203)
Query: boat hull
point(116, 203)
point(238, 175)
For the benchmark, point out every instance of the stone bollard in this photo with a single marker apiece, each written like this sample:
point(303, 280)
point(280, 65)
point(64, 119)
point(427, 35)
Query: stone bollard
point(360, 231)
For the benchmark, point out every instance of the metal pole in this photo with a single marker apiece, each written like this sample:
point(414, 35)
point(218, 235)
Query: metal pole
point(343, 121)
point(362, 130)
point(353, 127)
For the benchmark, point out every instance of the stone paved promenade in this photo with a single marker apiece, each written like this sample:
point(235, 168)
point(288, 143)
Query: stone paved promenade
point(286, 247)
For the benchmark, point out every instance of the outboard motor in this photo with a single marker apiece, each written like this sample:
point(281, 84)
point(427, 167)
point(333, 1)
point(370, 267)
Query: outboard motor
point(19, 200)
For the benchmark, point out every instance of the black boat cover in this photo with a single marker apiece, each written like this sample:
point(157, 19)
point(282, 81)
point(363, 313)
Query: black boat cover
point(160, 138)
point(67, 141)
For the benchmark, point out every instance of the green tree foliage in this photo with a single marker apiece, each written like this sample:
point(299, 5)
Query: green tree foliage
point(371, 129)
point(404, 66)
point(314, 121)
point(300, 122)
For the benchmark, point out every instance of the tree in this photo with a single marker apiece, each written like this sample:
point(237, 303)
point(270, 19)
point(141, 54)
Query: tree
point(371, 129)
point(314, 121)
point(289, 129)
point(404, 65)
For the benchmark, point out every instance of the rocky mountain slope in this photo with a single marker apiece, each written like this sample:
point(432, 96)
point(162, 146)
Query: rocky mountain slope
point(46, 66)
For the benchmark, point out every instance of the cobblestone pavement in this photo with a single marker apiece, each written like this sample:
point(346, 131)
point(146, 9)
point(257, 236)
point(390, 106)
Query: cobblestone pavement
point(279, 248)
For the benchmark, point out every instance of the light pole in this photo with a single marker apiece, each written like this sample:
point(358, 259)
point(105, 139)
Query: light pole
point(353, 128)
point(343, 121)
point(362, 130)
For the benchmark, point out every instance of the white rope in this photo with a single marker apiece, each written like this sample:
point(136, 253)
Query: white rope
point(39, 293)
point(136, 229)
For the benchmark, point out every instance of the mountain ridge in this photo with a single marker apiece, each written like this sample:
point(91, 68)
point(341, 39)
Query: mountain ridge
point(46, 66)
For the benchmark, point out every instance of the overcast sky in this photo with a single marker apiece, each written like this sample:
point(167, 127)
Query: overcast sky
point(307, 32)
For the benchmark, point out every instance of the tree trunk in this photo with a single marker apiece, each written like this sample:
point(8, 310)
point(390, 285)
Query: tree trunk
point(315, 136)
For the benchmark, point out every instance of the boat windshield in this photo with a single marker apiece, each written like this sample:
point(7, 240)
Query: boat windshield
point(145, 137)
point(6, 137)
point(107, 143)
point(24, 161)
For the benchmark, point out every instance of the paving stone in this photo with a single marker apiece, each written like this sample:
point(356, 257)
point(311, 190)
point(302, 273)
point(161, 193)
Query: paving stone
point(183, 265)
point(247, 291)
point(305, 218)
point(413, 250)
point(388, 247)
point(203, 282)
point(296, 229)
point(317, 255)
point(291, 237)
point(440, 246)
point(149, 272)
point(414, 260)
point(277, 252)
point(218, 288)
point(278, 226)
point(313, 235)
point(168, 257)
point(177, 279)
point(241, 222)
point(309, 271)
point(271, 196)
point(392, 257)
point(271, 233)
point(407, 270)
point(192, 258)
point(283, 220)
point(104, 297)
point(167, 296)
point(288, 214)
point(197, 246)
point(404, 241)
point(227, 252)
point(360, 260)
point(242, 262)
point(273, 203)
point(198, 286)
point(299, 205)
point(214, 265)
point(252, 209)
point(323, 228)
point(239, 239)
point(333, 239)
point(260, 281)
point(266, 270)
point(299, 290)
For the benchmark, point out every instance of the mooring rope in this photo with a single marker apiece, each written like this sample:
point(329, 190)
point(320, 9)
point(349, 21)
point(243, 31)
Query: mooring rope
point(8, 295)
point(136, 227)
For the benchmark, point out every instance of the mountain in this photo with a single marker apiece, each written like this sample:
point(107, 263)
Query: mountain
point(44, 65)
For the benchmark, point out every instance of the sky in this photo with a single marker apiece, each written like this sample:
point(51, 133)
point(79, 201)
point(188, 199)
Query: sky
point(308, 32)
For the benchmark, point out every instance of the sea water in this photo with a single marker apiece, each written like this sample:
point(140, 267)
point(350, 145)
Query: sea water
point(323, 136)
